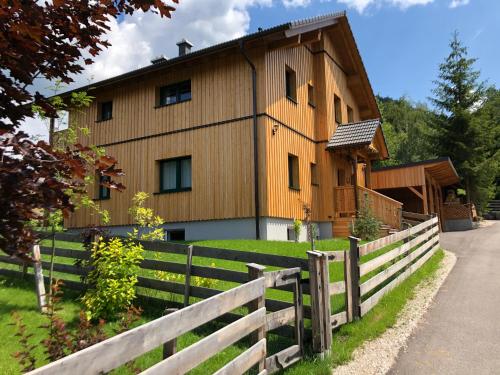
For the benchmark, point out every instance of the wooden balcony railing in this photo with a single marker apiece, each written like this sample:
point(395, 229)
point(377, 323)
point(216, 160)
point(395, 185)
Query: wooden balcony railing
point(384, 208)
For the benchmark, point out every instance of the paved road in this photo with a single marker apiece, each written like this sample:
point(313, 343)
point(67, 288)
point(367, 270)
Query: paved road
point(461, 331)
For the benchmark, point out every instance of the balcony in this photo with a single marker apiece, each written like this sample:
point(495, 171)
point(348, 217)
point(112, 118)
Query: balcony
point(386, 209)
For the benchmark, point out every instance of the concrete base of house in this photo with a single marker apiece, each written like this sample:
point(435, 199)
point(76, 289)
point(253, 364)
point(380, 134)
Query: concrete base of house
point(275, 229)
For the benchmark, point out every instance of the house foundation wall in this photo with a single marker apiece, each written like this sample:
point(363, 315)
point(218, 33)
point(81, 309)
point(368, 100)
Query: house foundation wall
point(274, 229)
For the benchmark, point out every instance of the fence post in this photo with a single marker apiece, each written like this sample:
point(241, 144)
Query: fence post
point(187, 284)
point(351, 271)
point(327, 311)
point(170, 347)
point(256, 271)
point(39, 282)
point(316, 286)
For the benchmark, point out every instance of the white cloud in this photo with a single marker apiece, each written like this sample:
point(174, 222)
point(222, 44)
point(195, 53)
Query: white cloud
point(143, 36)
point(296, 3)
point(458, 3)
point(359, 5)
point(362, 5)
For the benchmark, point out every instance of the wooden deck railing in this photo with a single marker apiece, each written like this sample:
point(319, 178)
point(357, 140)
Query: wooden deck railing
point(384, 208)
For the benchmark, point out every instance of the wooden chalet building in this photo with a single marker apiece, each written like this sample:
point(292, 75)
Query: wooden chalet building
point(232, 140)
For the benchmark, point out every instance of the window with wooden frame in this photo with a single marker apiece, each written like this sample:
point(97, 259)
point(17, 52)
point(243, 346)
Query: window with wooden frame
point(337, 104)
point(103, 192)
point(105, 111)
point(350, 114)
point(291, 84)
point(293, 172)
point(175, 174)
point(310, 95)
point(314, 175)
point(175, 93)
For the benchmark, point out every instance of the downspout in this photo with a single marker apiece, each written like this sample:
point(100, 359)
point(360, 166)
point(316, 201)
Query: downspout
point(255, 141)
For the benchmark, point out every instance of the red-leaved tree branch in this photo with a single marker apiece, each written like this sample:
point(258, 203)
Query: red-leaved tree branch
point(50, 40)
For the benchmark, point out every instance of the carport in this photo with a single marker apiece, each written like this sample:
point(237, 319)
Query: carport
point(420, 186)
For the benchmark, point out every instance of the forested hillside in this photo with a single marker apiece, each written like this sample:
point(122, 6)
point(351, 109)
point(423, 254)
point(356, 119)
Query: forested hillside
point(410, 132)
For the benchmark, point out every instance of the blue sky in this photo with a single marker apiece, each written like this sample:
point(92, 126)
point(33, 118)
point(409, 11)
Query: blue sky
point(402, 48)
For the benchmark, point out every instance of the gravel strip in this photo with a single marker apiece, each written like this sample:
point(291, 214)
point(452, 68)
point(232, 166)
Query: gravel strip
point(378, 356)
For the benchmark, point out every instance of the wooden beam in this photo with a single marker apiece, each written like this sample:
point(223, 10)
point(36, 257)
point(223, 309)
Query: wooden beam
point(284, 43)
point(314, 36)
point(416, 192)
point(424, 199)
point(355, 181)
point(368, 173)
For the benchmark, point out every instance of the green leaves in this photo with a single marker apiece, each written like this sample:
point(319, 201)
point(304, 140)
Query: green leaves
point(112, 280)
point(366, 226)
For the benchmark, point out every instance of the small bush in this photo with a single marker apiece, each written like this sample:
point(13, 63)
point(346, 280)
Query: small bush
point(366, 226)
point(113, 278)
point(297, 228)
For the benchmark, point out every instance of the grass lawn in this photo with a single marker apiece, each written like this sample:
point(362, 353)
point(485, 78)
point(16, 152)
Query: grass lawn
point(18, 295)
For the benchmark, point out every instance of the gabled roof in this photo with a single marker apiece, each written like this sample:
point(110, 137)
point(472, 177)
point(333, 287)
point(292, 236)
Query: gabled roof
point(279, 32)
point(287, 29)
point(354, 134)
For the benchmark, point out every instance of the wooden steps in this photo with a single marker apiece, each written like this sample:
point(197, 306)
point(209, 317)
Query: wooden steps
point(493, 210)
point(342, 226)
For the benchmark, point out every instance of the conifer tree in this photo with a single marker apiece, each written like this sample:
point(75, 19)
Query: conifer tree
point(458, 93)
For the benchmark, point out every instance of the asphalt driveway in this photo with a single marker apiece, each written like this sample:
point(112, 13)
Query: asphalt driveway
point(460, 333)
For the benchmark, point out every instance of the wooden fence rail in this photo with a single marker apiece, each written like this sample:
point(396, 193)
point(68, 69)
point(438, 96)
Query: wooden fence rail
point(365, 283)
point(118, 350)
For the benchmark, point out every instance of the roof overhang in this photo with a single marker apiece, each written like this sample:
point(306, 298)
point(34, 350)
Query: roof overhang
point(363, 135)
point(441, 169)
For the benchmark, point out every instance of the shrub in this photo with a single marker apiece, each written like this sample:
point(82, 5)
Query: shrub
point(366, 226)
point(149, 224)
point(113, 277)
point(297, 228)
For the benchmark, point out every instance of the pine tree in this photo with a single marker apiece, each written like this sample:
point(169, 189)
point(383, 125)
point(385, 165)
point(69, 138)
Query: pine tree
point(458, 93)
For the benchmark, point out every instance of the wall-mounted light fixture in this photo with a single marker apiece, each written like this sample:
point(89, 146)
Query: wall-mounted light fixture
point(275, 128)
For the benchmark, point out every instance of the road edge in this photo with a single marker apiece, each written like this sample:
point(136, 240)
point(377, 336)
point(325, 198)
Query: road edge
point(379, 355)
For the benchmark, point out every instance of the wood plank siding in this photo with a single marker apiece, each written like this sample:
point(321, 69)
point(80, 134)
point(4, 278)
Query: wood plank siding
point(215, 128)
